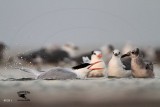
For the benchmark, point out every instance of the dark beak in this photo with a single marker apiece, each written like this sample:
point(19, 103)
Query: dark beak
point(125, 55)
point(116, 54)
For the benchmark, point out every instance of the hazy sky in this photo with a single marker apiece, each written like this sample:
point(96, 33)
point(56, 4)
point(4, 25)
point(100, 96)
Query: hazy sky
point(40, 22)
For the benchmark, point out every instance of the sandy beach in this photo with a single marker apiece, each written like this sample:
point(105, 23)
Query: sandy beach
point(90, 92)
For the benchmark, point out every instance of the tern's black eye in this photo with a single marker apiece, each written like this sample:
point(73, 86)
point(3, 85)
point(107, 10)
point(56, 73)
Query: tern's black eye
point(133, 52)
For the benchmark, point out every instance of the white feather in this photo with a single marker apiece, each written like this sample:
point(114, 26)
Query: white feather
point(86, 59)
point(82, 73)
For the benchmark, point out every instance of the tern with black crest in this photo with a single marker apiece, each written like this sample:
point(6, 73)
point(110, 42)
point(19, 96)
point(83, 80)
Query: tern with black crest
point(81, 71)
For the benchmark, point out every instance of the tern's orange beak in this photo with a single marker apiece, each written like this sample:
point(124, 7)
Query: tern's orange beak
point(99, 56)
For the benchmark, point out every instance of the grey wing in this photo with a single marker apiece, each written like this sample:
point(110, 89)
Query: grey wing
point(58, 74)
point(149, 65)
point(126, 62)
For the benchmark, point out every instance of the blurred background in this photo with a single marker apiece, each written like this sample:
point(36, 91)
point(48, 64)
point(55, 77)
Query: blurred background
point(34, 23)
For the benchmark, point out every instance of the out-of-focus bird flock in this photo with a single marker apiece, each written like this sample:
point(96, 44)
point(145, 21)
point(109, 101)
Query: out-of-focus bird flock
point(118, 61)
